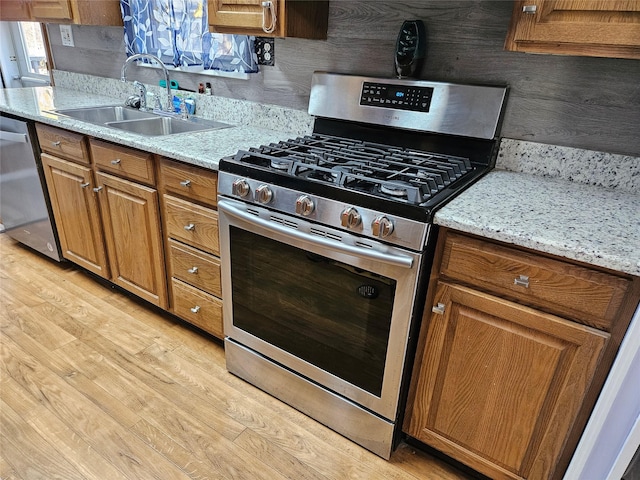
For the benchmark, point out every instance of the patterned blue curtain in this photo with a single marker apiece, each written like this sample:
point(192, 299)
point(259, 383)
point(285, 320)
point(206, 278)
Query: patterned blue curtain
point(177, 32)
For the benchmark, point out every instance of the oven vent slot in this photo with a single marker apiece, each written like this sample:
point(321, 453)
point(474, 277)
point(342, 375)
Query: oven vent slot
point(284, 222)
point(364, 245)
point(253, 211)
point(322, 233)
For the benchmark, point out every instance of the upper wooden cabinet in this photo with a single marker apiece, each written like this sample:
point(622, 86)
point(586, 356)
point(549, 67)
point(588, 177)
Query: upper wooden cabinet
point(82, 12)
point(595, 28)
point(293, 18)
point(14, 10)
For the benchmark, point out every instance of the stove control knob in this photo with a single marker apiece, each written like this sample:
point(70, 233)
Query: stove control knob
point(350, 218)
point(240, 188)
point(304, 205)
point(382, 227)
point(264, 194)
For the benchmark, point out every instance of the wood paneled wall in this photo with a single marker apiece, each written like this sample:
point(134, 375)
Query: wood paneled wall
point(583, 102)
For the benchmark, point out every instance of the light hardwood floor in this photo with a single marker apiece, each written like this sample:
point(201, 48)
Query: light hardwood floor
point(97, 385)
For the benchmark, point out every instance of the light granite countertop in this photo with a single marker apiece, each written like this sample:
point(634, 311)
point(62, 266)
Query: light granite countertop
point(591, 224)
point(533, 199)
point(204, 148)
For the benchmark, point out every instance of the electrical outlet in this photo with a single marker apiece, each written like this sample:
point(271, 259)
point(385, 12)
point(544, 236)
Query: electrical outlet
point(67, 35)
point(265, 50)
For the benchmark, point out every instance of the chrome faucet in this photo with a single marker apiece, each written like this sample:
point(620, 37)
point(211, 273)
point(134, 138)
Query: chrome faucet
point(139, 56)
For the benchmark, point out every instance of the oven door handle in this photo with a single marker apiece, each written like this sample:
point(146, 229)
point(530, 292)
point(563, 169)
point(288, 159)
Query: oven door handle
point(397, 260)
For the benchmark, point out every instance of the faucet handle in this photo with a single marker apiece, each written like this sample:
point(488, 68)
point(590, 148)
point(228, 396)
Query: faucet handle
point(157, 102)
point(143, 94)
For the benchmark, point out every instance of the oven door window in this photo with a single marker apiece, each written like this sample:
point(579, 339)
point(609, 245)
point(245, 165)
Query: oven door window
point(325, 312)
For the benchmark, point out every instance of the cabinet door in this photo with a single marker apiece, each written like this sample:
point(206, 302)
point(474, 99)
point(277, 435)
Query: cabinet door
point(51, 10)
point(576, 27)
point(499, 384)
point(14, 10)
point(76, 213)
point(130, 215)
point(243, 16)
point(293, 18)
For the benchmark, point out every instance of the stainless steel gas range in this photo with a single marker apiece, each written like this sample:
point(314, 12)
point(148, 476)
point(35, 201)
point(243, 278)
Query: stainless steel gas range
point(326, 242)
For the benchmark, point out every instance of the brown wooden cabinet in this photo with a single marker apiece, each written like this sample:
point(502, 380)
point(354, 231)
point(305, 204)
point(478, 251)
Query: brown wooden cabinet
point(82, 12)
point(576, 27)
point(133, 236)
point(294, 18)
point(509, 363)
point(192, 244)
point(130, 214)
point(75, 209)
point(14, 10)
point(108, 216)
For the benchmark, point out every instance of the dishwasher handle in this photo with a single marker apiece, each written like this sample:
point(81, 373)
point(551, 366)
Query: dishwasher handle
point(11, 137)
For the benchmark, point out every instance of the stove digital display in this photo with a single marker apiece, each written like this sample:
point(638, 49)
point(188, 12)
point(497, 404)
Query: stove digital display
point(400, 97)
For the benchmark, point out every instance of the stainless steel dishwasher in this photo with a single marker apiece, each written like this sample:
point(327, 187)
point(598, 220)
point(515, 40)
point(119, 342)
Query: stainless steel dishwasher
point(25, 211)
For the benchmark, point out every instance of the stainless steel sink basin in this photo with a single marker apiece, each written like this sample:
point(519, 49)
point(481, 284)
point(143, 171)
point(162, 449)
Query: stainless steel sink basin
point(105, 114)
point(140, 122)
point(160, 125)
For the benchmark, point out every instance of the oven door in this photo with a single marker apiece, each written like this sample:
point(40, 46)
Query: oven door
point(330, 306)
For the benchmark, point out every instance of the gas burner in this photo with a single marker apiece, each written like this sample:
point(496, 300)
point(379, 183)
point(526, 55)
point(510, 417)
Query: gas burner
point(395, 188)
point(280, 164)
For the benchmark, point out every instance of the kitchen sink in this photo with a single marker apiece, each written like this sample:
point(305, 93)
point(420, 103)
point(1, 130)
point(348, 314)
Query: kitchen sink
point(161, 125)
point(140, 122)
point(102, 115)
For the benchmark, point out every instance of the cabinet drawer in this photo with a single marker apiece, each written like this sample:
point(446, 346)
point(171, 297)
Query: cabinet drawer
point(197, 307)
point(192, 224)
point(583, 294)
point(62, 143)
point(195, 267)
point(123, 161)
point(195, 183)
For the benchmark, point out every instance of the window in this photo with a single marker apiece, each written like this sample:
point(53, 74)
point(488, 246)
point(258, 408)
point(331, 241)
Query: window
point(24, 60)
point(177, 32)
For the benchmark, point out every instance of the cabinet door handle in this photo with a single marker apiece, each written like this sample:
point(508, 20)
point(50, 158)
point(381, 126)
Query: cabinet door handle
point(522, 281)
point(97, 189)
point(530, 9)
point(195, 309)
point(193, 270)
point(56, 144)
point(116, 161)
point(190, 227)
point(439, 308)
point(185, 183)
point(85, 185)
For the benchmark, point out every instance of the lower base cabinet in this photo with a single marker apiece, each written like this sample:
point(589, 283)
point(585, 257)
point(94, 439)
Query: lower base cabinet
point(192, 245)
point(498, 383)
point(76, 213)
point(106, 210)
point(133, 236)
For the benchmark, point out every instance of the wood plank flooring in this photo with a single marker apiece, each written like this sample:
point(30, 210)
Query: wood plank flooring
point(95, 384)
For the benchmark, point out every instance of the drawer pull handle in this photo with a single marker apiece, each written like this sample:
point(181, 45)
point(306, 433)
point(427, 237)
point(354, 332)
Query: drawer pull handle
point(185, 183)
point(521, 280)
point(56, 144)
point(97, 189)
point(195, 309)
point(193, 270)
point(85, 185)
point(189, 228)
point(439, 308)
point(116, 161)
point(530, 9)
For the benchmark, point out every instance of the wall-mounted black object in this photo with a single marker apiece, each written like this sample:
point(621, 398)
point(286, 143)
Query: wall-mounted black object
point(411, 48)
point(265, 49)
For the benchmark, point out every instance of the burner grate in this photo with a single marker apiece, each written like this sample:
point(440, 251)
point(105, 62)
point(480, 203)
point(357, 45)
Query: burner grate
point(394, 172)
